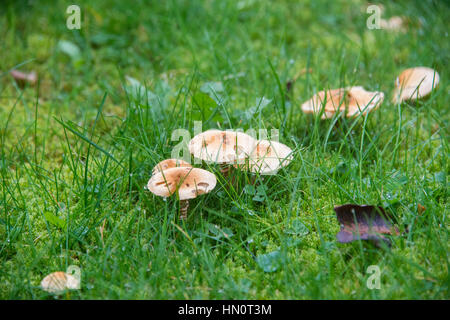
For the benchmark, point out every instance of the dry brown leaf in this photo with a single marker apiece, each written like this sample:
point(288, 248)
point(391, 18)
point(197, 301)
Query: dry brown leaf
point(363, 223)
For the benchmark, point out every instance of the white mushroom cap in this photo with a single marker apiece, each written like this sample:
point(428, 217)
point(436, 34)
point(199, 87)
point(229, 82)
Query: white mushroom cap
point(170, 163)
point(320, 100)
point(362, 101)
point(394, 23)
point(355, 100)
point(415, 82)
point(268, 157)
point(59, 281)
point(190, 182)
point(221, 146)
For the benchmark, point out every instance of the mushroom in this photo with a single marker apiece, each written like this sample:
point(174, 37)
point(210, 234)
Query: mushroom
point(362, 101)
point(268, 157)
point(188, 182)
point(59, 281)
point(355, 100)
point(23, 77)
point(394, 24)
point(170, 163)
point(222, 147)
point(415, 83)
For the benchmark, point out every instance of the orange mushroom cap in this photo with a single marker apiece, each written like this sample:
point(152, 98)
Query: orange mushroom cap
point(355, 100)
point(268, 157)
point(415, 83)
point(59, 281)
point(221, 146)
point(170, 163)
point(190, 182)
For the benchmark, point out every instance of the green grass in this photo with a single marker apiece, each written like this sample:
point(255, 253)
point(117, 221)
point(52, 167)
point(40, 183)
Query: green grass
point(77, 150)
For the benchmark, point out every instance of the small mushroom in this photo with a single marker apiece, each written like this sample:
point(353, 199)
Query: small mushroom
point(58, 282)
point(22, 78)
point(355, 100)
point(267, 157)
point(188, 182)
point(394, 24)
point(168, 164)
point(222, 147)
point(360, 100)
point(415, 83)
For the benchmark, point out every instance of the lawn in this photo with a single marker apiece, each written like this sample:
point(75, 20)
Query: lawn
point(78, 147)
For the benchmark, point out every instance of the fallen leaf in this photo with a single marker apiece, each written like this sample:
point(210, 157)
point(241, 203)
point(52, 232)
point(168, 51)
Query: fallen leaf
point(363, 223)
point(22, 78)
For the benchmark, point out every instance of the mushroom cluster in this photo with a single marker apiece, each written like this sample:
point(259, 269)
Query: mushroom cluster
point(353, 100)
point(228, 149)
point(233, 149)
point(239, 150)
point(411, 84)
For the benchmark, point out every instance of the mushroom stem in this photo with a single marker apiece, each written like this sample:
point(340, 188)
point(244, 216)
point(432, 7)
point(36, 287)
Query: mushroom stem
point(184, 205)
point(225, 169)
